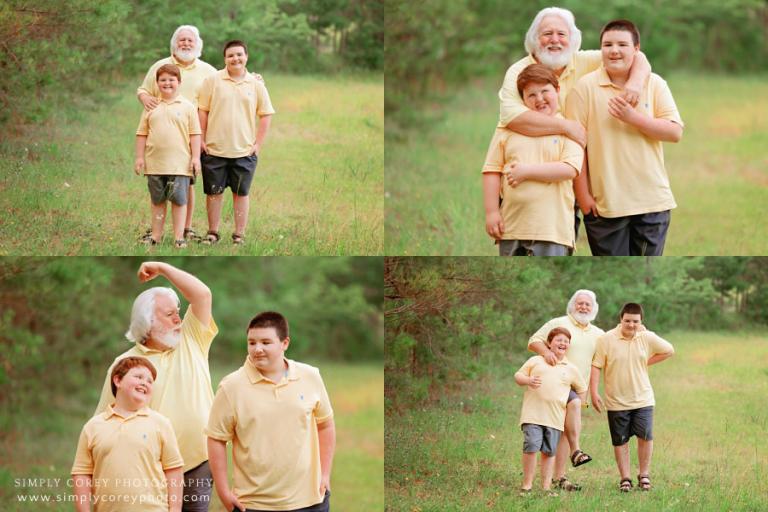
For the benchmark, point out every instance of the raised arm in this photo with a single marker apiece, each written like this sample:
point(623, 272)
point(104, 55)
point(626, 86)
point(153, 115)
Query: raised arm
point(326, 436)
point(195, 291)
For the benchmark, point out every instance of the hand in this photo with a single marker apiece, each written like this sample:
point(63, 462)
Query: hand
point(258, 77)
point(535, 382)
point(230, 502)
point(203, 147)
point(587, 205)
point(515, 172)
point(255, 149)
point(494, 225)
point(620, 108)
point(149, 102)
point(550, 358)
point(149, 270)
point(325, 483)
point(194, 166)
point(138, 166)
point(597, 402)
point(576, 132)
point(631, 94)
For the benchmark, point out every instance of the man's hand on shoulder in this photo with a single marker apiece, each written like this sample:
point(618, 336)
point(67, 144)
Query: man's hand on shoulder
point(576, 132)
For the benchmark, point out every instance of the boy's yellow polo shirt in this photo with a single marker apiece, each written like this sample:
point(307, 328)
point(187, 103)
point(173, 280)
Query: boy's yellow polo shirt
point(234, 108)
point(168, 128)
point(127, 458)
point(535, 210)
point(192, 77)
point(273, 429)
point(625, 367)
point(512, 105)
point(583, 338)
point(545, 405)
point(626, 169)
point(182, 391)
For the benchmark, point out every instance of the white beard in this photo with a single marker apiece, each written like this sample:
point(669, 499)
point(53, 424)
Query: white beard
point(170, 339)
point(583, 318)
point(185, 56)
point(554, 62)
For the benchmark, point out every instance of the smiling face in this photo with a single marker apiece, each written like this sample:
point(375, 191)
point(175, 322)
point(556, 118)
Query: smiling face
point(235, 58)
point(554, 42)
point(541, 97)
point(618, 51)
point(266, 349)
point(559, 345)
point(630, 324)
point(168, 85)
point(136, 386)
point(186, 46)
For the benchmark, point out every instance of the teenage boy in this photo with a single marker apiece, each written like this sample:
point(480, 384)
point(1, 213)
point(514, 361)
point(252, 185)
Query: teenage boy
point(235, 113)
point(624, 191)
point(625, 353)
point(127, 457)
point(278, 416)
point(168, 152)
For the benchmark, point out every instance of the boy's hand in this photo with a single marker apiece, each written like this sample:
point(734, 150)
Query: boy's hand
point(258, 77)
point(194, 166)
point(515, 173)
point(535, 382)
point(325, 484)
point(597, 402)
point(229, 500)
point(576, 132)
point(494, 225)
point(203, 147)
point(149, 102)
point(138, 166)
point(622, 110)
point(587, 205)
point(255, 149)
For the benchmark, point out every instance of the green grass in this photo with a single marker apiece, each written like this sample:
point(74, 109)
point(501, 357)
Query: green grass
point(45, 446)
point(69, 188)
point(719, 172)
point(463, 453)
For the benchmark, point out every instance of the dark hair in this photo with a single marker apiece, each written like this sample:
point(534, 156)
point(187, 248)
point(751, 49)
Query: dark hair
point(235, 42)
point(271, 319)
point(626, 26)
point(631, 308)
point(558, 330)
point(538, 74)
point(125, 365)
point(169, 69)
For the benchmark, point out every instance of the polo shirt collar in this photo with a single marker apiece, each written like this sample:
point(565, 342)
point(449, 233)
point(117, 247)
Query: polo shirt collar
point(247, 78)
point(578, 324)
point(620, 335)
point(569, 68)
point(181, 64)
point(144, 411)
point(255, 376)
point(146, 350)
point(604, 80)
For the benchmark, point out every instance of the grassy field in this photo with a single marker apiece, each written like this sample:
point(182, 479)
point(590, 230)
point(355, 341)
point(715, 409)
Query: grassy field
point(69, 189)
point(463, 453)
point(46, 446)
point(719, 172)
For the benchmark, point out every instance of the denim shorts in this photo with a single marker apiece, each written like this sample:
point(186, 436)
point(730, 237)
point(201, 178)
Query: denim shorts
point(166, 187)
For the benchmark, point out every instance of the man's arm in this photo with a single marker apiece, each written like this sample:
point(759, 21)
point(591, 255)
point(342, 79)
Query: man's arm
point(594, 382)
point(536, 124)
point(203, 117)
point(217, 459)
point(549, 172)
point(638, 76)
point(82, 490)
point(194, 290)
point(175, 483)
point(264, 122)
point(326, 435)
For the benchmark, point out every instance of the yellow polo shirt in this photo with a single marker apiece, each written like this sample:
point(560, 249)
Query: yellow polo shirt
point(234, 108)
point(192, 77)
point(625, 367)
point(583, 338)
point(182, 390)
point(127, 457)
point(545, 405)
point(273, 429)
point(626, 169)
point(168, 128)
point(512, 105)
point(535, 210)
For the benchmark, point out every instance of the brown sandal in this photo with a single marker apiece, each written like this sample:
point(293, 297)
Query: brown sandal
point(625, 485)
point(644, 482)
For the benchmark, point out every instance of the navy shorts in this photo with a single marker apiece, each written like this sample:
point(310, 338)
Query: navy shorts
point(220, 172)
point(323, 506)
point(634, 422)
point(635, 235)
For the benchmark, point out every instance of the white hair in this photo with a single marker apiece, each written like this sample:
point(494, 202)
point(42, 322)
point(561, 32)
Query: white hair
point(591, 295)
point(193, 29)
point(143, 312)
point(532, 37)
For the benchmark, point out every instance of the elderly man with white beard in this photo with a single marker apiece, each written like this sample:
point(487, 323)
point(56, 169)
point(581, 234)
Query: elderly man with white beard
point(581, 311)
point(178, 348)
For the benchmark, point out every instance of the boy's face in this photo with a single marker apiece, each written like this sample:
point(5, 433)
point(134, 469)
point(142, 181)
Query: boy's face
point(166, 326)
point(266, 349)
point(168, 84)
point(618, 51)
point(541, 98)
point(630, 324)
point(136, 385)
point(559, 345)
point(235, 58)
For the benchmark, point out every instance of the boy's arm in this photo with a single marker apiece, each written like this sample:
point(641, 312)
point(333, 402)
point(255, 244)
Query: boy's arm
point(549, 172)
point(82, 490)
point(657, 358)
point(494, 224)
point(141, 145)
point(175, 483)
point(654, 128)
point(194, 146)
point(594, 382)
point(524, 380)
point(264, 122)
point(536, 124)
point(326, 435)
point(584, 197)
point(638, 76)
point(203, 116)
point(217, 459)
point(194, 290)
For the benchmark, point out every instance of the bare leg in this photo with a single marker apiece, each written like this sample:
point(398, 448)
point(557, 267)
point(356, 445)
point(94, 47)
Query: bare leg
point(213, 205)
point(178, 214)
point(644, 452)
point(242, 206)
point(529, 469)
point(158, 221)
point(190, 207)
point(547, 466)
point(573, 424)
point(563, 453)
point(622, 459)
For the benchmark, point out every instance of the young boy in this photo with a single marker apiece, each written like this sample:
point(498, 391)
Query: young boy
point(625, 353)
point(278, 416)
point(235, 113)
point(536, 198)
point(624, 194)
point(127, 457)
point(169, 135)
point(543, 416)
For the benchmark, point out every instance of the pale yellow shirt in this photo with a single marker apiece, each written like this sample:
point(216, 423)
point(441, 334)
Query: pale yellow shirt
point(545, 405)
point(234, 108)
point(626, 169)
point(182, 390)
point(583, 338)
point(168, 128)
point(192, 77)
point(273, 429)
point(512, 104)
point(625, 367)
point(127, 458)
point(535, 210)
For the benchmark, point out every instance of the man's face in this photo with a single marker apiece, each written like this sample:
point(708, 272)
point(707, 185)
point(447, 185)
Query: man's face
point(618, 51)
point(554, 43)
point(168, 84)
point(166, 326)
point(559, 345)
point(186, 46)
point(630, 324)
point(266, 349)
point(136, 384)
point(541, 98)
point(235, 58)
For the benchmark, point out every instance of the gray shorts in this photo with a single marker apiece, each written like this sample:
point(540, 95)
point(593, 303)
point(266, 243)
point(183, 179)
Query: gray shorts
point(634, 422)
point(197, 489)
point(532, 248)
point(538, 438)
point(165, 187)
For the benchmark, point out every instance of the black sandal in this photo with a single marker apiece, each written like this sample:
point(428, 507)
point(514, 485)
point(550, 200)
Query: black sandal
point(238, 239)
point(644, 482)
point(180, 244)
point(625, 485)
point(579, 457)
point(210, 238)
point(189, 234)
point(566, 485)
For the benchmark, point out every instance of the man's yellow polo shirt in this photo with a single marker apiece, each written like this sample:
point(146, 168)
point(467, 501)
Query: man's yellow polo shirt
point(535, 210)
point(234, 108)
point(127, 458)
point(545, 405)
point(583, 338)
point(512, 105)
point(182, 390)
point(168, 128)
point(626, 169)
point(625, 367)
point(192, 77)
point(273, 429)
